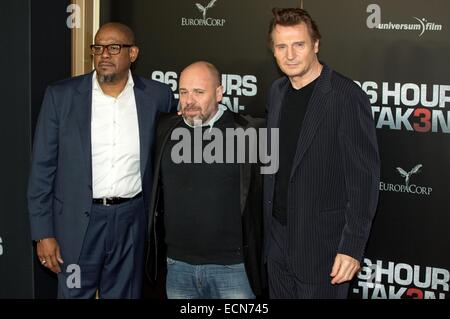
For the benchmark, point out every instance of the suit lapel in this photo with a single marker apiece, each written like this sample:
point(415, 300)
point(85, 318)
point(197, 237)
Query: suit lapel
point(165, 134)
point(245, 176)
point(245, 169)
point(143, 109)
point(273, 118)
point(162, 136)
point(83, 108)
point(317, 108)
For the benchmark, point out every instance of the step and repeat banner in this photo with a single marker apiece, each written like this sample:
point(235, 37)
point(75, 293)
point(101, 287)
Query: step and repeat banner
point(397, 51)
point(231, 34)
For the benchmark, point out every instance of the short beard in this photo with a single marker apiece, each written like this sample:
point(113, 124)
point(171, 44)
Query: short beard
point(107, 78)
point(194, 121)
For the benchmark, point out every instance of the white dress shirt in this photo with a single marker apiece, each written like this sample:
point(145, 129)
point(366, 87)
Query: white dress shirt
point(115, 143)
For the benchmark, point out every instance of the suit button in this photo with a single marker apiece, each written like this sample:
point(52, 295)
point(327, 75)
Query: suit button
point(87, 214)
point(269, 202)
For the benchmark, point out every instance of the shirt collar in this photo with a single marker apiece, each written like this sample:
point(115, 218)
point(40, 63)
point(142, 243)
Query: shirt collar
point(96, 86)
point(220, 110)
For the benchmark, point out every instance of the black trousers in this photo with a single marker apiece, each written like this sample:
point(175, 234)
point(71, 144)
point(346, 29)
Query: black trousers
point(112, 257)
point(284, 284)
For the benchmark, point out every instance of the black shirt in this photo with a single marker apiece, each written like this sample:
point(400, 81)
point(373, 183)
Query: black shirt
point(293, 110)
point(202, 214)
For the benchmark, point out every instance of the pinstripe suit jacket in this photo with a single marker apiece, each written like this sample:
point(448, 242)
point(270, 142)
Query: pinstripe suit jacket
point(333, 187)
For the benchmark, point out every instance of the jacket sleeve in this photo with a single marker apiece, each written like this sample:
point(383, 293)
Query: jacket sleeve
point(359, 151)
point(43, 170)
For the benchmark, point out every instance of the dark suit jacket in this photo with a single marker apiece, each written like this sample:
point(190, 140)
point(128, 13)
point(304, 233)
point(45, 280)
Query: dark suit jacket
point(60, 182)
point(250, 203)
point(334, 181)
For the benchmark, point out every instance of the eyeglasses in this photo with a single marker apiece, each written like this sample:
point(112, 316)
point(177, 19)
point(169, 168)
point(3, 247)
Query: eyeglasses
point(113, 49)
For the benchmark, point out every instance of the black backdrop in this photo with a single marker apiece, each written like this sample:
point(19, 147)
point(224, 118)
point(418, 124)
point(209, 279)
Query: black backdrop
point(35, 51)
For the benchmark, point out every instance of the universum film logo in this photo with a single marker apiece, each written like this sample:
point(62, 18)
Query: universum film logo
point(420, 24)
point(407, 187)
point(204, 21)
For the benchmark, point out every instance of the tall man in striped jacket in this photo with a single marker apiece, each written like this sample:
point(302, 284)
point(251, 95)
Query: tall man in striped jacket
point(319, 206)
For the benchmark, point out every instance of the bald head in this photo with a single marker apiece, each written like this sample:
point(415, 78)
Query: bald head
point(205, 68)
point(121, 29)
point(200, 92)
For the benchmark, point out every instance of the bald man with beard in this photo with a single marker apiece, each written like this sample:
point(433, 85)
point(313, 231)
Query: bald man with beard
point(211, 210)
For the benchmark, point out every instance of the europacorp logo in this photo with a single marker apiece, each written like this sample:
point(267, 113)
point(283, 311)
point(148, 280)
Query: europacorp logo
point(407, 187)
point(205, 20)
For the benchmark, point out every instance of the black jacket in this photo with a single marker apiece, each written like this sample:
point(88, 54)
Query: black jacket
point(250, 196)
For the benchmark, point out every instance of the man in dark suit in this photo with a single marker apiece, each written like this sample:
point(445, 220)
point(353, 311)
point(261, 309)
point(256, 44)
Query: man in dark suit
point(212, 207)
point(91, 172)
point(319, 206)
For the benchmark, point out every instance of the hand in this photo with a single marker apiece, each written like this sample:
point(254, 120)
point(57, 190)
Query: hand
point(49, 254)
point(344, 269)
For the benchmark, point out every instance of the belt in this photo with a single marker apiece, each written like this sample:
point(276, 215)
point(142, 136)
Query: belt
point(108, 201)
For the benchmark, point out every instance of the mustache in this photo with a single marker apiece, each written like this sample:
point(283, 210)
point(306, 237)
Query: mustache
point(191, 108)
point(106, 63)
